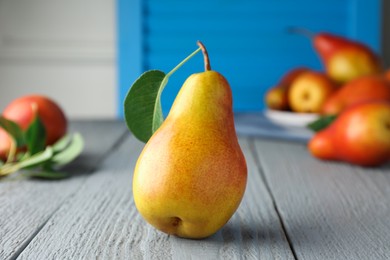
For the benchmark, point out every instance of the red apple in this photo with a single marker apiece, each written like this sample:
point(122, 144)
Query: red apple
point(52, 116)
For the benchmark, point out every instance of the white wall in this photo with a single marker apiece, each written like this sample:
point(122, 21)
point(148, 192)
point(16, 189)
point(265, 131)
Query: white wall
point(63, 49)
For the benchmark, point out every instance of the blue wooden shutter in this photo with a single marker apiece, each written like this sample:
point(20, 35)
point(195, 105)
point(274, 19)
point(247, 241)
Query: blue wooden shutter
point(247, 40)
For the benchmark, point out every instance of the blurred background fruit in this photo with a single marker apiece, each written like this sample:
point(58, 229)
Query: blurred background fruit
point(359, 135)
point(277, 96)
point(365, 88)
point(345, 59)
point(309, 91)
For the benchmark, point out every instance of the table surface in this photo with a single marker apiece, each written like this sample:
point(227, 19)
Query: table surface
point(294, 207)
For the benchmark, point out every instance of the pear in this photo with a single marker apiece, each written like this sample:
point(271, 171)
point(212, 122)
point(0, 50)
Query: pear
point(277, 96)
point(386, 74)
point(362, 89)
point(309, 91)
point(360, 135)
point(191, 175)
point(345, 59)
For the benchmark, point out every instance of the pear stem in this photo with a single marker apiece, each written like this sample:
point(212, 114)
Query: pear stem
point(207, 66)
point(302, 31)
point(182, 62)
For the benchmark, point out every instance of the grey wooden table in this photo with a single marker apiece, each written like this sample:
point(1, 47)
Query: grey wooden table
point(295, 207)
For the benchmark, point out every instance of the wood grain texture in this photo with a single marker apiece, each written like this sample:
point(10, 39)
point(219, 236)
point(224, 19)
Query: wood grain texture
point(100, 221)
point(330, 210)
point(294, 207)
point(26, 205)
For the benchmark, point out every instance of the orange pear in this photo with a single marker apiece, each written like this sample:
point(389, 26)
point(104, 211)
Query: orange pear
point(361, 89)
point(386, 74)
point(359, 135)
point(345, 59)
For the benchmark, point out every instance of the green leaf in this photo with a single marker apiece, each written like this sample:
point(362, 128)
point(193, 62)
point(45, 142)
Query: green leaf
point(32, 161)
point(68, 154)
point(142, 105)
point(321, 123)
point(36, 136)
point(40, 164)
point(21, 156)
point(14, 130)
point(61, 144)
point(36, 159)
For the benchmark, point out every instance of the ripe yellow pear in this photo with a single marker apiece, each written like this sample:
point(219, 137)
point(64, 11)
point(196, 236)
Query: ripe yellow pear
point(191, 175)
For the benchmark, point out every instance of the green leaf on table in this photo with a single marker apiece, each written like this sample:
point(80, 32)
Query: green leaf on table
point(36, 136)
point(37, 159)
point(61, 144)
point(70, 152)
point(14, 130)
point(321, 123)
point(40, 164)
point(142, 105)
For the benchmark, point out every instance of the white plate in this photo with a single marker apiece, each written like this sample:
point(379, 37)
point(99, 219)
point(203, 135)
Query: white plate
point(290, 118)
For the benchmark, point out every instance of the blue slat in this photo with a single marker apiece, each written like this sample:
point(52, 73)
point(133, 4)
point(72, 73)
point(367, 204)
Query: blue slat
point(247, 40)
point(129, 46)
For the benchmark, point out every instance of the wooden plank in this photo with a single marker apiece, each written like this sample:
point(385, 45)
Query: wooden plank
point(27, 204)
point(330, 210)
point(101, 221)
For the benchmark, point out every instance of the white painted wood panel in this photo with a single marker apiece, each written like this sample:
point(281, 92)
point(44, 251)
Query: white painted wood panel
point(63, 49)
